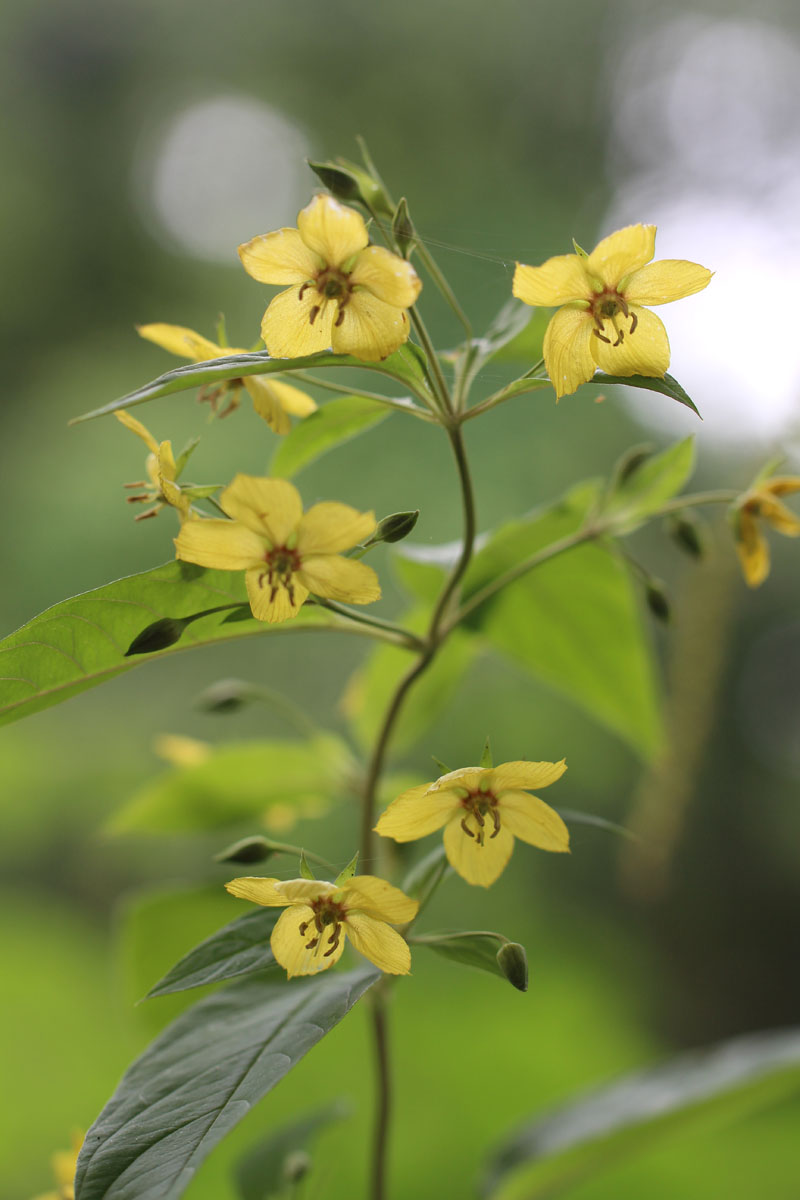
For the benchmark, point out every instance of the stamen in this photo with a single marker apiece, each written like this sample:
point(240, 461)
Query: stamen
point(333, 941)
point(310, 945)
point(620, 337)
point(304, 927)
point(138, 499)
point(634, 321)
point(496, 820)
point(312, 316)
point(151, 512)
point(340, 317)
point(466, 828)
point(602, 337)
point(302, 289)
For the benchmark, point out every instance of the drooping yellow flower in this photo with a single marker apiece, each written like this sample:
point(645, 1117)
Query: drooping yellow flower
point(286, 554)
point(161, 472)
point(64, 1163)
point(482, 809)
point(273, 399)
point(310, 936)
point(345, 294)
point(761, 502)
point(602, 322)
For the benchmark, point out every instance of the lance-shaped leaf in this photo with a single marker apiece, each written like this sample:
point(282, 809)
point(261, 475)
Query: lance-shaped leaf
point(668, 386)
point(483, 950)
point(239, 949)
point(404, 365)
point(200, 1077)
point(323, 430)
point(639, 492)
point(699, 1090)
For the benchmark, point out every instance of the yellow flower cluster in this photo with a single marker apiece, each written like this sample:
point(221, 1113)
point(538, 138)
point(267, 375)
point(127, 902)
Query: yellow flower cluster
point(760, 503)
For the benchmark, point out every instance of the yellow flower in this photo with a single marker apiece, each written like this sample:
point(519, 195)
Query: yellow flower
point(602, 323)
point(310, 936)
point(161, 472)
point(272, 399)
point(286, 555)
point(64, 1163)
point(482, 809)
point(760, 501)
point(345, 294)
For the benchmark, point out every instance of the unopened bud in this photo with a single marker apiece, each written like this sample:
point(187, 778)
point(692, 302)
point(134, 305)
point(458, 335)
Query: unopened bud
point(296, 1166)
point(513, 962)
point(394, 527)
point(227, 695)
point(630, 462)
point(657, 601)
point(350, 183)
point(247, 850)
point(158, 636)
point(685, 531)
point(403, 229)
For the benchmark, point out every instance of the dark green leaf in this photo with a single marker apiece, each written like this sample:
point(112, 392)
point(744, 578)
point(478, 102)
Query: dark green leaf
point(262, 1172)
point(200, 1077)
point(334, 423)
point(700, 1090)
point(480, 950)
point(239, 949)
point(666, 386)
point(425, 874)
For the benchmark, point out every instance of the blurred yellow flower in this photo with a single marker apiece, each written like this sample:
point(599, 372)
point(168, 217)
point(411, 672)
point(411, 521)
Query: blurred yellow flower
point(161, 472)
point(63, 1163)
point(345, 294)
point(273, 399)
point(286, 555)
point(482, 809)
point(310, 936)
point(761, 502)
point(602, 322)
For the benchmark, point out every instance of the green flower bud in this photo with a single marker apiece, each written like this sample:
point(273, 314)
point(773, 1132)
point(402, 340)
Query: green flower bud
point(630, 462)
point(403, 229)
point(158, 636)
point(686, 532)
point(350, 183)
point(513, 962)
point(296, 1166)
point(394, 527)
point(226, 695)
point(247, 850)
point(657, 601)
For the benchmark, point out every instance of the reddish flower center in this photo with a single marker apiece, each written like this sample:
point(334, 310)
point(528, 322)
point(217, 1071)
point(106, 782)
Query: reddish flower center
point(281, 564)
point(328, 914)
point(330, 284)
point(479, 806)
point(609, 305)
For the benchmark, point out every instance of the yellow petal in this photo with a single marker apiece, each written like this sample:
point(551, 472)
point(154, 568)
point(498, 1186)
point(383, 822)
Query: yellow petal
point(665, 281)
point(379, 899)
point(468, 777)
point(185, 342)
point(139, 429)
point(330, 527)
point(621, 253)
point(273, 602)
point(535, 822)
point(369, 328)
point(477, 864)
point(338, 578)
point(753, 551)
point(332, 231)
point(417, 813)
point(782, 485)
point(291, 399)
point(567, 352)
point(267, 405)
point(780, 517)
point(556, 281)
point(303, 891)
point(643, 352)
point(272, 508)
point(381, 945)
point(289, 945)
point(280, 257)
point(296, 325)
point(260, 891)
point(525, 774)
point(166, 462)
point(226, 545)
point(387, 276)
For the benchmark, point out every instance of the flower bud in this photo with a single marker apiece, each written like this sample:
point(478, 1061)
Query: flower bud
point(158, 636)
point(657, 601)
point(350, 183)
point(226, 695)
point(394, 527)
point(513, 962)
point(686, 532)
point(630, 462)
point(296, 1166)
point(246, 850)
point(403, 229)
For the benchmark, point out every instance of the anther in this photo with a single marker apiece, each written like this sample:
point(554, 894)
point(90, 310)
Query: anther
point(304, 927)
point(496, 820)
point(620, 337)
point(302, 289)
point(312, 316)
point(601, 336)
point(333, 941)
point(340, 317)
point(310, 945)
point(466, 828)
point(634, 321)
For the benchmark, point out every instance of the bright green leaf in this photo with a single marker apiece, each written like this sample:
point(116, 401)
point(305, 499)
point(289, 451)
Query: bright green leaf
point(348, 872)
point(305, 867)
point(486, 754)
point(240, 948)
point(642, 492)
point(200, 1077)
point(701, 1090)
point(262, 1172)
point(334, 423)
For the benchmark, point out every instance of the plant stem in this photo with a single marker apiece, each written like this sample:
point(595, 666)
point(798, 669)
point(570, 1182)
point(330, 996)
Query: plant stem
point(383, 1078)
point(403, 636)
point(400, 403)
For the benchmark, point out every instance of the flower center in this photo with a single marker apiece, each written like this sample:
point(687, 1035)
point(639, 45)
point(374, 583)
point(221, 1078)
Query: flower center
point(479, 806)
point(327, 913)
point(329, 284)
point(281, 562)
point(610, 306)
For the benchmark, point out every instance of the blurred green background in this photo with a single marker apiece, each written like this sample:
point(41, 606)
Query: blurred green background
point(144, 141)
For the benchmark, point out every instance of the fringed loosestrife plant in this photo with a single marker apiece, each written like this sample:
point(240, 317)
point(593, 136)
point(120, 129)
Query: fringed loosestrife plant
point(251, 561)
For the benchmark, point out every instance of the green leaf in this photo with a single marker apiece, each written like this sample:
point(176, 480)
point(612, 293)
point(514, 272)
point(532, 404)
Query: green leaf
point(475, 949)
point(572, 816)
point(404, 365)
point(526, 344)
point(261, 1173)
point(305, 869)
point(573, 621)
point(84, 641)
point(238, 781)
point(348, 872)
point(696, 1091)
point(425, 874)
point(486, 754)
point(334, 423)
point(200, 1077)
point(666, 386)
point(642, 491)
point(239, 949)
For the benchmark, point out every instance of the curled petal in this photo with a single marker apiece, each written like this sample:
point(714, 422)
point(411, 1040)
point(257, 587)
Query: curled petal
point(567, 350)
point(780, 517)
point(291, 399)
point(467, 777)
point(272, 508)
point(417, 813)
point(525, 775)
point(369, 328)
point(478, 864)
point(260, 891)
point(332, 231)
point(291, 947)
point(302, 891)
point(643, 352)
point(752, 548)
point(381, 945)
point(535, 822)
point(226, 545)
point(267, 405)
point(273, 602)
point(296, 325)
point(139, 429)
point(555, 282)
point(780, 485)
point(184, 342)
point(387, 276)
point(621, 253)
point(330, 527)
point(379, 899)
point(280, 257)
point(337, 578)
point(667, 280)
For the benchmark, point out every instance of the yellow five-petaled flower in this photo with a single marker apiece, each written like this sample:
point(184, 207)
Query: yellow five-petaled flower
point(345, 294)
point(285, 554)
point(273, 399)
point(761, 502)
point(161, 473)
point(310, 936)
point(602, 322)
point(482, 809)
